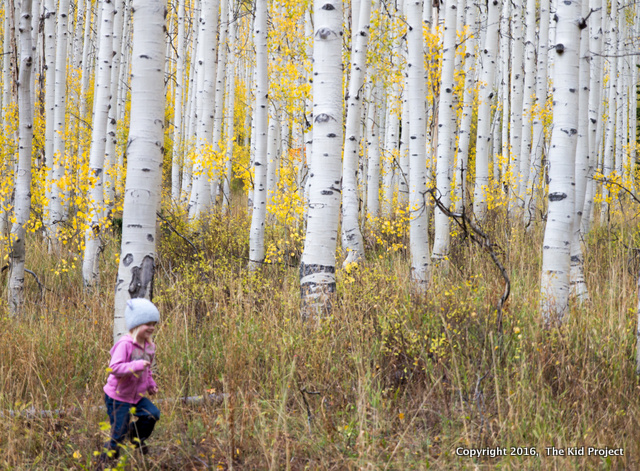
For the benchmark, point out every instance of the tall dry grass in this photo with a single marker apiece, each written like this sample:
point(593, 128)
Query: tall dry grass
point(390, 381)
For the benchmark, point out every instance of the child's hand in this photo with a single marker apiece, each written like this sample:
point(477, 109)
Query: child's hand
point(152, 390)
point(146, 364)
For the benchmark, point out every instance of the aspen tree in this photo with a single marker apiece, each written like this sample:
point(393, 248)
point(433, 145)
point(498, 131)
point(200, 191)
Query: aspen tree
point(22, 205)
point(90, 266)
point(56, 171)
point(464, 132)
point(200, 199)
point(608, 159)
point(317, 265)
point(505, 86)
point(446, 132)
point(229, 133)
point(261, 112)
point(218, 117)
point(391, 149)
point(144, 162)
point(373, 150)
point(418, 209)
point(517, 91)
point(49, 97)
point(537, 132)
point(527, 101)
point(557, 237)
point(483, 138)
point(37, 70)
point(273, 156)
point(352, 241)
point(178, 150)
point(577, 281)
point(110, 161)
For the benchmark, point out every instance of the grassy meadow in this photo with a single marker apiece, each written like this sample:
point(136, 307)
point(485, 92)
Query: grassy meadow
point(389, 381)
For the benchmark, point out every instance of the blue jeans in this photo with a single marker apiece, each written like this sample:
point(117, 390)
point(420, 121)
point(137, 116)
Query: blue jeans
point(121, 426)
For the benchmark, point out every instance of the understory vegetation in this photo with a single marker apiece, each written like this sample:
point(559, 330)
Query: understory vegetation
point(389, 381)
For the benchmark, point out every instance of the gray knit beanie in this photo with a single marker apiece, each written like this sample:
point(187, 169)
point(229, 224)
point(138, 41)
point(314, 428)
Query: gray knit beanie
point(140, 311)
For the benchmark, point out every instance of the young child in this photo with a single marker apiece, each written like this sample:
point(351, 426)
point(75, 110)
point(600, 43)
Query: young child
point(130, 378)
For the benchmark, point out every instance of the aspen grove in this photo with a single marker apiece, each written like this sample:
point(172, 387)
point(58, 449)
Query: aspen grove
point(377, 230)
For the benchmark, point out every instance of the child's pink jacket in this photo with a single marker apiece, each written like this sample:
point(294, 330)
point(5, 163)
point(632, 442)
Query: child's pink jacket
point(129, 380)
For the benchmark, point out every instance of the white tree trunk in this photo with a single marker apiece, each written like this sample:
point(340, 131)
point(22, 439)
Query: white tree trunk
point(464, 132)
point(178, 145)
point(418, 209)
point(317, 265)
point(578, 284)
point(110, 158)
point(49, 99)
point(56, 171)
point(390, 150)
point(229, 133)
point(610, 136)
point(595, 107)
point(505, 86)
point(218, 118)
point(554, 285)
point(205, 98)
point(373, 151)
point(352, 241)
point(446, 133)
point(144, 163)
point(90, 266)
point(537, 133)
point(22, 205)
point(528, 100)
point(483, 140)
point(273, 157)
point(517, 91)
point(261, 112)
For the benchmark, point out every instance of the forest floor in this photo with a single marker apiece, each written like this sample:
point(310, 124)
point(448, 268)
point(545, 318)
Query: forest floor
point(390, 381)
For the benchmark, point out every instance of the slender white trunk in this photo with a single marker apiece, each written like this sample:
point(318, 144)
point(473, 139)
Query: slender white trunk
point(49, 99)
point(517, 86)
point(373, 152)
point(554, 285)
point(22, 205)
point(620, 109)
point(418, 209)
point(578, 285)
point(390, 149)
point(505, 86)
point(90, 265)
point(273, 157)
point(608, 165)
point(178, 150)
point(110, 159)
point(59, 107)
point(231, 83)
point(261, 112)
point(483, 141)
point(464, 132)
point(144, 162)
point(205, 97)
point(218, 118)
point(595, 107)
point(352, 241)
point(317, 265)
point(446, 135)
point(528, 100)
point(537, 133)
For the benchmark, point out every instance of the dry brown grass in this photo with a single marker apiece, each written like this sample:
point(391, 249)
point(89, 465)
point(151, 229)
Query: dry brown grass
point(389, 381)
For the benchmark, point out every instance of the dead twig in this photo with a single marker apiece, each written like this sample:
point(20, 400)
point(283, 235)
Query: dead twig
point(482, 239)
